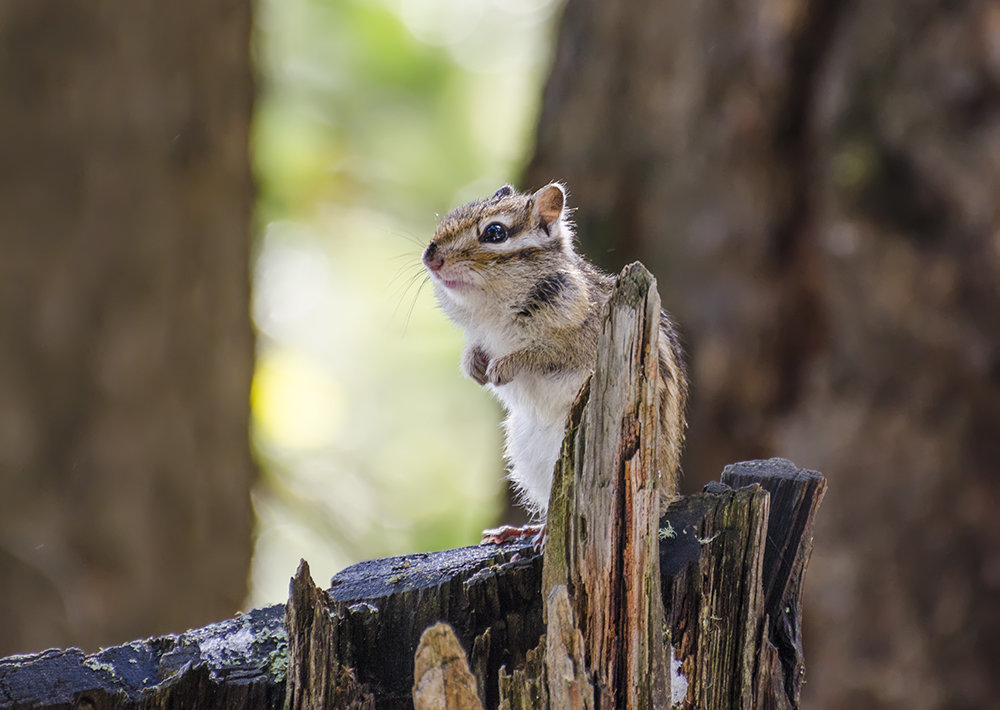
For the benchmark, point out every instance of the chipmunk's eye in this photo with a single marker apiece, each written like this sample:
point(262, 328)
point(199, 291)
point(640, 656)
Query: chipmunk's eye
point(494, 233)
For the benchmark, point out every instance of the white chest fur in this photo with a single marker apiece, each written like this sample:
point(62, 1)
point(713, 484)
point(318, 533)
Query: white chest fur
point(537, 407)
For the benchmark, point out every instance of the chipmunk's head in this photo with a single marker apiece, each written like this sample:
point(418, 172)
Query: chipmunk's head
point(488, 251)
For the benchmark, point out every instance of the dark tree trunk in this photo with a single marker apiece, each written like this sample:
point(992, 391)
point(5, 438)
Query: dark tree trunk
point(125, 344)
point(815, 185)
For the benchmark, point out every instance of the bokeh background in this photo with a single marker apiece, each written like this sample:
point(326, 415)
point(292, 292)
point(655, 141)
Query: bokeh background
point(372, 120)
point(217, 357)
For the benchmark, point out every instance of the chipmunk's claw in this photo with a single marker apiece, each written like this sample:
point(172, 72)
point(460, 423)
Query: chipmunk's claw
point(504, 533)
point(538, 540)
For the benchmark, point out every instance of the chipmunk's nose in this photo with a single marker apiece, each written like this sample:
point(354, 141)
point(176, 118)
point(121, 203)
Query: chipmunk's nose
point(433, 260)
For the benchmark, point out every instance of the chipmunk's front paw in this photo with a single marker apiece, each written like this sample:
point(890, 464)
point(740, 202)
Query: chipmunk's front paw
point(474, 364)
point(501, 370)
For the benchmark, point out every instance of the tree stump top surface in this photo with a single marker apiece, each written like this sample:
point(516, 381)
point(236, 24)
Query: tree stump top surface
point(378, 609)
point(376, 579)
point(244, 650)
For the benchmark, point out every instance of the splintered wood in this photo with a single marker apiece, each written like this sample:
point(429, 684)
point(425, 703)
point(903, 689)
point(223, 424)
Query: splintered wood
point(441, 675)
point(317, 677)
point(603, 544)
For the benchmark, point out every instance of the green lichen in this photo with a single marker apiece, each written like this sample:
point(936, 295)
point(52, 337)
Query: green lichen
point(96, 665)
point(277, 663)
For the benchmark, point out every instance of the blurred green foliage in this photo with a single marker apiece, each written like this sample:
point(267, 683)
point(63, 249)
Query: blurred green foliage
point(372, 119)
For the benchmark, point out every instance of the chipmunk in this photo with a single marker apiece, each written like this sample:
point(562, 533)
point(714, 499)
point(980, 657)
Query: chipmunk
point(505, 269)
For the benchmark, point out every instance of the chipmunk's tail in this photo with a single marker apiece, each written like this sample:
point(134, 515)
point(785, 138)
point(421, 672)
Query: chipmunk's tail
point(673, 407)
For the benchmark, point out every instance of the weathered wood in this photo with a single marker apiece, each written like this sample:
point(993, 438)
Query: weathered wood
point(732, 577)
point(496, 608)
point(712, 573)
point(715, 584)
point(525, 688)
point(490, 601)
point(379, 608)
point(441, 676)
point(317, 677)
point(235, 663)
point(569, 684)
point(795, 497)
point(605, 508)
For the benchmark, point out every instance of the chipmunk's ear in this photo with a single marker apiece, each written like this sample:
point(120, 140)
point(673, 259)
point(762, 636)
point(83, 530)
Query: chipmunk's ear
point(505, 191)
point(549, 203)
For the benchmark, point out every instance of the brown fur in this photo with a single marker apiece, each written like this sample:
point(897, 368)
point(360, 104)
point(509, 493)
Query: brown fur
point(532, 308)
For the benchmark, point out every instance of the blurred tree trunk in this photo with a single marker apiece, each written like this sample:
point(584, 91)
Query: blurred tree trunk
point(816, 184)
point(125, 342)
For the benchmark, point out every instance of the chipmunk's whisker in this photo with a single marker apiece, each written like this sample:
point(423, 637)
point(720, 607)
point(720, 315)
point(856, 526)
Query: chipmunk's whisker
point(406, 271)
point(413, 302)
point(405, 288)
point(408, 237)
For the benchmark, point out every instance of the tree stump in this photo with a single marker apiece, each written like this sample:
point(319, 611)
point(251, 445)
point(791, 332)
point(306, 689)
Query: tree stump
point(697, 609)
